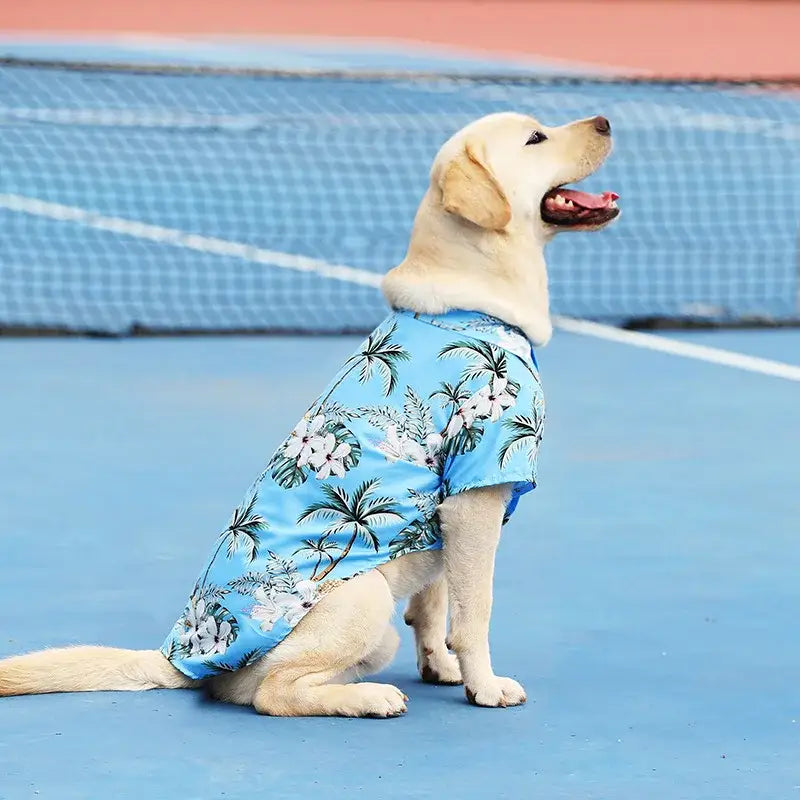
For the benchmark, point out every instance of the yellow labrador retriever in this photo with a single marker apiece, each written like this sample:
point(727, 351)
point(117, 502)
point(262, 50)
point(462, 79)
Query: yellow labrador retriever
point(495, 199)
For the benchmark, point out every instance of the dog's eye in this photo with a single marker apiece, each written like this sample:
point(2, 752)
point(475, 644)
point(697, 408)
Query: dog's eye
point(537, 137)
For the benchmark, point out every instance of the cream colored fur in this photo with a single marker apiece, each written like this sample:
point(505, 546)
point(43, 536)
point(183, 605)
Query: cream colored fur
point(477, 244)
point(493, 260)
point(85, 669)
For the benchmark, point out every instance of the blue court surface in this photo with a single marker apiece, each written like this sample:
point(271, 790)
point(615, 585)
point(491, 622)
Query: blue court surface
point(779, 345)
point(646, 593)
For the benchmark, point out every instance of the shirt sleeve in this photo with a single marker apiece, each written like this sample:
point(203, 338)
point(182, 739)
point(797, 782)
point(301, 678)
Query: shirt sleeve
point(494, 436)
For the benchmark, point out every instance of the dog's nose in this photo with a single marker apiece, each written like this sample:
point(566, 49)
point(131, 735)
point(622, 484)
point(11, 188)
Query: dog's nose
point(602, 126)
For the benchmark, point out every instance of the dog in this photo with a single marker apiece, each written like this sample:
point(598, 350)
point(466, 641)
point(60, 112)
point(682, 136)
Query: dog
point(397, 481)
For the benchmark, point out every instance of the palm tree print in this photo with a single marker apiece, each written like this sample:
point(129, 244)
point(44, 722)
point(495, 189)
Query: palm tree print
point(381, 354)
point(451, 395)
point(242, 532)
point(378, 354)
point(526, 431)
point(487, 360)
point(360, 513)
point(243, 529)
point(318, 548)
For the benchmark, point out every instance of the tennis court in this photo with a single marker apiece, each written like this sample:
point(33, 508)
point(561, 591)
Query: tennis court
point(646, 593)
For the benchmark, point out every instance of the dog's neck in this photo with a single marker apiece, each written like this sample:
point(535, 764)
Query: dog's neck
point(454, 265)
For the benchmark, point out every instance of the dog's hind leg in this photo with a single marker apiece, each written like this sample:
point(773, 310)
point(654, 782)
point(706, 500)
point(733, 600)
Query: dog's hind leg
point(378, 659)
point(427, 615)
point(346, 629)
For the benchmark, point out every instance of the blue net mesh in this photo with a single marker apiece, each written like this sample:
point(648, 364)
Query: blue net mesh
point(203, 200)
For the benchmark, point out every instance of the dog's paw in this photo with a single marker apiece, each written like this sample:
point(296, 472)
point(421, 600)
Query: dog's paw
point(496, 693)
point(373, 700)
point(440, 667)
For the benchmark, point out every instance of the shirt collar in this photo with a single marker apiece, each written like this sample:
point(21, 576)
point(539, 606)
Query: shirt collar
point(485, 327)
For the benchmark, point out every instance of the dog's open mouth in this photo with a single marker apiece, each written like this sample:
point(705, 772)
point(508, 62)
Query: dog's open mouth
point(567, 207)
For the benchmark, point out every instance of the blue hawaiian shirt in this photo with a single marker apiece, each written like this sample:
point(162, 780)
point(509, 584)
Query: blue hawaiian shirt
point(426, 407)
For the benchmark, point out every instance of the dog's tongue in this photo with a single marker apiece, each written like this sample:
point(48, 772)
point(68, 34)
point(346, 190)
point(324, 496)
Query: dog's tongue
point(586, 200)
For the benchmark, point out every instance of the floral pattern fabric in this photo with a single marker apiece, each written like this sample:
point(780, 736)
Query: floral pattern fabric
point(428, 406)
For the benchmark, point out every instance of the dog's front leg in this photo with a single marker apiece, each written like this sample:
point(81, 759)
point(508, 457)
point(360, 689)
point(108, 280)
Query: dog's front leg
point(471, 524)
point(427, 615)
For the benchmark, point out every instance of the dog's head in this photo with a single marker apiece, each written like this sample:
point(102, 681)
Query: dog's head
point(497, 195)
point(507, 170)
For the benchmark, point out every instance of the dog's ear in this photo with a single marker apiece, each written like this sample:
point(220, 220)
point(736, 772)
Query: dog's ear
point(470, 190)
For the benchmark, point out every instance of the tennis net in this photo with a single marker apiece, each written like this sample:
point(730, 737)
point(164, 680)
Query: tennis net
point(180, 199)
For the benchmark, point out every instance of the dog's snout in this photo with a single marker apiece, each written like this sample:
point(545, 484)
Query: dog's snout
point(602, 126)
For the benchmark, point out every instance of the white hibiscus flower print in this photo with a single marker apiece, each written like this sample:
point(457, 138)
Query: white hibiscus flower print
point(301, 602)
point(268, 611)
point(329, 458)
point(291, 606)
point(194, 622)
point(214, 636)
point(305, 439)
point(463, 418)
point(398, 447)
point(492, 400)
point(393, 446)
point(427, 455)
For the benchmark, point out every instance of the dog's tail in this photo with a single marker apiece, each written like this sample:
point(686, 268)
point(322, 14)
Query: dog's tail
point(89, 669)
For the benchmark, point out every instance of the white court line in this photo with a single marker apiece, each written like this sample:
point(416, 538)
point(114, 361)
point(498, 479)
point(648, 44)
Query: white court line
point(223, 247)
point(699, 352)
point(188, 241)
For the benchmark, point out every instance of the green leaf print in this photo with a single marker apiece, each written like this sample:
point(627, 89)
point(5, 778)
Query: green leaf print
point(172, 650)
point(246, 660)
point(345, 435)
point(249, 582)
point(426, 502)
point(337, 413)
point(286, 473)
point(526, 432)
point(282, 572)
point(419, 535)
point(383, 417)
point(466, 440)
point(212, 593)
point(418, 418)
